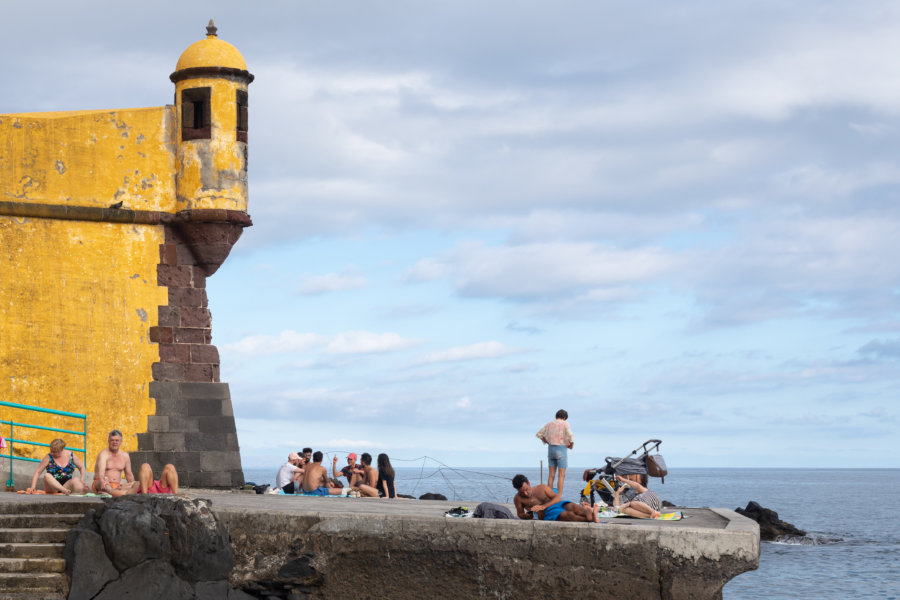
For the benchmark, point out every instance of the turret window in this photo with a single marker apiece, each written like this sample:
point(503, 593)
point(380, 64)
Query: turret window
point(241, 116)
point(196, 120)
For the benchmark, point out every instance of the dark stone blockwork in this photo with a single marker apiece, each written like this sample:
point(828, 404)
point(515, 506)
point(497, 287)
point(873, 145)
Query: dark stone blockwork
point(201, 438)
point(193, 427)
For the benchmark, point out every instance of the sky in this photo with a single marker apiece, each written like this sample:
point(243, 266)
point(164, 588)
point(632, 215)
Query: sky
point(677, 221)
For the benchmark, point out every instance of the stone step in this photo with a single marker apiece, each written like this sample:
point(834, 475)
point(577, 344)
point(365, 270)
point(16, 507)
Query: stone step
point(54, 521)
point(33, 595)
point(32, 550)
point(32, 565)
point(37, 585)
point(33, 536)
point(50, 505)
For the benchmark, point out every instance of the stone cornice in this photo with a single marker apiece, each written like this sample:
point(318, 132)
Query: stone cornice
point(123, 215)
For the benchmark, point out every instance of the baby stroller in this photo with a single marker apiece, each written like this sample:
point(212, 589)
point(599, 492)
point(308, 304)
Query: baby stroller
point(601, 482)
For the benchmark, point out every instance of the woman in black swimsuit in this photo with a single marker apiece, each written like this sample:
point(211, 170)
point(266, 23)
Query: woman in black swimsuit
point(60, 465)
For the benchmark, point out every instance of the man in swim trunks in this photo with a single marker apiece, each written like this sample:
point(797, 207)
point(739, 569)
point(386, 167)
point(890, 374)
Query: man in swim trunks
point(111, 463)
point(548, 504)
point(315, 479)
point(166, 484)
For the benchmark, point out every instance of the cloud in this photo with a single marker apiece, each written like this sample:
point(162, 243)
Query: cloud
point(889, 349)
point(345, 343)
point(464, 402)
point(286, 341)
point(367, 342)
point(492, 349)
point(531, 272)
point(330, 282)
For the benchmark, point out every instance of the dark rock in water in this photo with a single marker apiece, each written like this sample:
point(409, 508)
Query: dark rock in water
point(430, 496)
point(770, 526)
point(151, 580)
point(407, 496)
point(92, 570)
point(667, 504)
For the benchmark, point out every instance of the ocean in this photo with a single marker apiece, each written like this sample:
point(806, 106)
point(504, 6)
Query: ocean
point(852, 549)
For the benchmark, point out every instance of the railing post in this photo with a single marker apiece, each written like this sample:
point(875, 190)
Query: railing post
point(11, 482)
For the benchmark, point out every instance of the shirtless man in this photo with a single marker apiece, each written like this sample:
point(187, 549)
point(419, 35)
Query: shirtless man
point(548, 504)
point(315, 479)
point(111, 463)
point(369, 477)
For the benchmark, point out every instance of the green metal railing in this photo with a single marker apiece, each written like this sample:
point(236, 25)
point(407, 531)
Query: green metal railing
point(13, 425)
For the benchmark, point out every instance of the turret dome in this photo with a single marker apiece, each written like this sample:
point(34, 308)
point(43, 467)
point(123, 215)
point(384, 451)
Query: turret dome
point(211, 53)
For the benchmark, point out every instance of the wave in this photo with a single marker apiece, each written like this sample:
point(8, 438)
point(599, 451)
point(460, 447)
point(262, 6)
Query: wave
point(810, 539)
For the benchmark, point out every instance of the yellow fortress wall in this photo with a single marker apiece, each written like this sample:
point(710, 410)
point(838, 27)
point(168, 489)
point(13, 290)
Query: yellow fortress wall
point(110, 223)
point(79, 299)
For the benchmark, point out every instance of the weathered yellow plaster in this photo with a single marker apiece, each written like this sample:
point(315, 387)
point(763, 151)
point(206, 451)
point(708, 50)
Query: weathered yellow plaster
point(78, 300)
point(213, 173)
point(90, 158)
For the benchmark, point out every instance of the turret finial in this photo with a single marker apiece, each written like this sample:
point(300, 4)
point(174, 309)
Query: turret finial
point(211, 29)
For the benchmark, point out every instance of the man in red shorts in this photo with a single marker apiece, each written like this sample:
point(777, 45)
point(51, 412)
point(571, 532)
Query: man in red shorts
point(145, 484)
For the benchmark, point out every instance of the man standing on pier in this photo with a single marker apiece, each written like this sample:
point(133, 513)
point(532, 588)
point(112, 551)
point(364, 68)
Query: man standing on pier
point(549, 505)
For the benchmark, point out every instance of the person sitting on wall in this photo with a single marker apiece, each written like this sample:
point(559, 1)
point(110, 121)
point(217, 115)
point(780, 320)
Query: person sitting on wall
point(145, 484)
point(306, 454)
point(315, 479)
point(290, 474)
point(646, 505)
point(548, 504)
point(353, 472)
point(384, 486)
point(60, 465)
point(369, 477)
point(111, 463)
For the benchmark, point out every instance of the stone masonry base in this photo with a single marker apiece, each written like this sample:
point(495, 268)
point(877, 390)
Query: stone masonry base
point(193, 429)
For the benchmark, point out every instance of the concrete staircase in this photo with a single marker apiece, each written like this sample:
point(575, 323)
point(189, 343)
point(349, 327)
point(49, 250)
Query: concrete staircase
point(32, 540)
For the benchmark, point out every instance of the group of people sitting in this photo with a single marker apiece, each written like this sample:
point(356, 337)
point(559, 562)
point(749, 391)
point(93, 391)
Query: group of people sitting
point(545, 503)
point(112, 472)
point(304, 474)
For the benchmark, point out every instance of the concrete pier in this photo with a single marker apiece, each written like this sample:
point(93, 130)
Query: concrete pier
point(374, 548)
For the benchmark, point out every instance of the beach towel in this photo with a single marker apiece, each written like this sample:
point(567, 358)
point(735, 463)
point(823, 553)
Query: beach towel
point(672, 516)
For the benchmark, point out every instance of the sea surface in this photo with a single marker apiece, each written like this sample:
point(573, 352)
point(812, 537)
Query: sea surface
point(852, 549)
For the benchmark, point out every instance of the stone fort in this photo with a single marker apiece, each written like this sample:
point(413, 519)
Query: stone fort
point(110, 223)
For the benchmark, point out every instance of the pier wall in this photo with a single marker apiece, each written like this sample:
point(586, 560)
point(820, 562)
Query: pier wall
point(416, 556)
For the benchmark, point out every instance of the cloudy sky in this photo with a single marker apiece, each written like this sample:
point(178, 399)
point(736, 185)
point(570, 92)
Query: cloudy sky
point(674, 220)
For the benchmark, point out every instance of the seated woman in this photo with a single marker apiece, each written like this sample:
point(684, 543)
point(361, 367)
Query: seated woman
point(60, 465)
point(646, 505)
point(384, 488)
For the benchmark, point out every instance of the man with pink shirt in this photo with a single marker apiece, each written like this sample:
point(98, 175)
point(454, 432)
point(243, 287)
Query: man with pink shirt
point(557, 435)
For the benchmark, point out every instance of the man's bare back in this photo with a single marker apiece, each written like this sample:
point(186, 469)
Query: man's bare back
point(314, 477)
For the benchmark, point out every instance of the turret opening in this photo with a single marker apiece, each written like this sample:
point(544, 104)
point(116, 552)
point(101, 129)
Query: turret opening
point(242, 116)
point(196, 119)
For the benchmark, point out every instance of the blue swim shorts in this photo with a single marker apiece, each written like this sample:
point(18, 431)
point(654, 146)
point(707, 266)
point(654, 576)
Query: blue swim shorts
point(557, 456)
point(552, 512)
point(322, 491)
